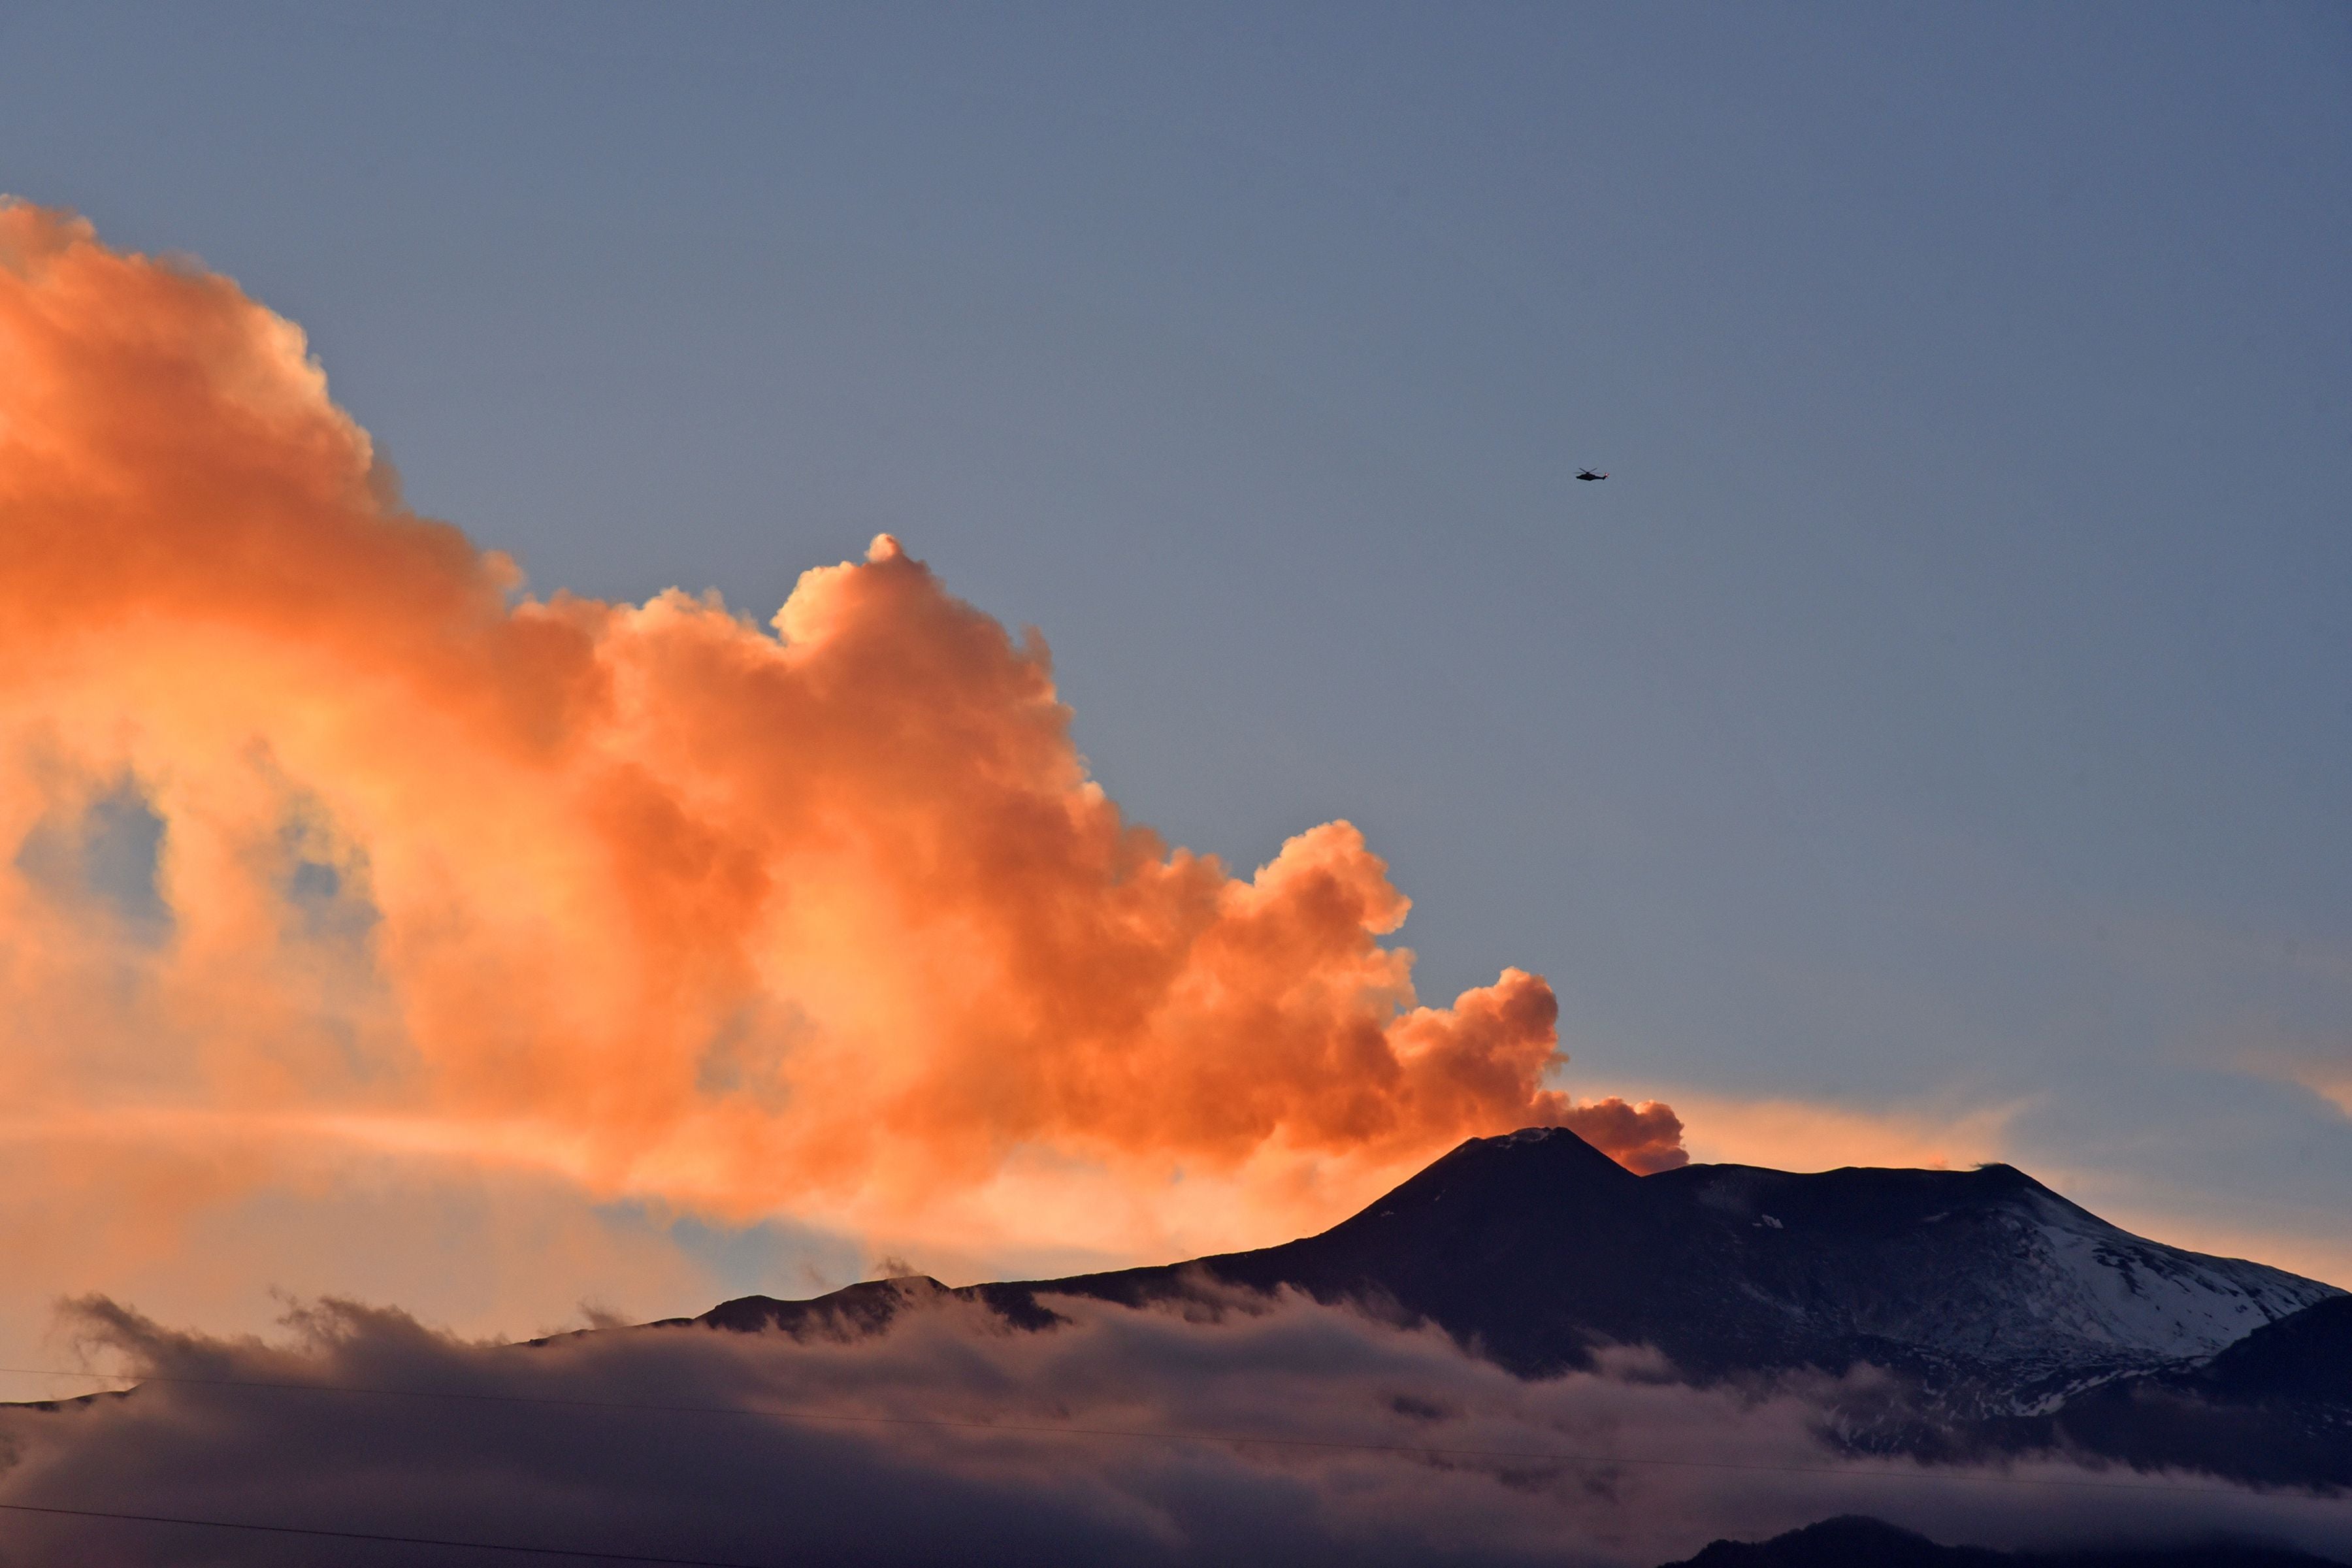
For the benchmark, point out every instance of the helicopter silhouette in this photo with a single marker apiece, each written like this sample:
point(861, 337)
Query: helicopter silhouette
point(1588, 474)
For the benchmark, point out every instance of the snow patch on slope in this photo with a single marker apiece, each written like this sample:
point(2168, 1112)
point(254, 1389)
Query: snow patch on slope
point(2140, 1296)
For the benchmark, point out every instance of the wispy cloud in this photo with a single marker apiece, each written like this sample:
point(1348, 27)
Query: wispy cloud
point(1810, 1135)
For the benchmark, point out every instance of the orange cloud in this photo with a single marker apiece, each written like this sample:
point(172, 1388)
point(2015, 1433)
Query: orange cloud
point(2320, 1065)
point(831, 919)
point(1801, 1135)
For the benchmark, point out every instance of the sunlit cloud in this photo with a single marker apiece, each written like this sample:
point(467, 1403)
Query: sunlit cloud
point(1802, 1135)
point(2322, 1067)
point(322, 845)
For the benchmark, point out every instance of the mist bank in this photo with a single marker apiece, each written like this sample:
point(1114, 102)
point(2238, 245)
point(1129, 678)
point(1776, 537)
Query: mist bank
point(1239, 1427)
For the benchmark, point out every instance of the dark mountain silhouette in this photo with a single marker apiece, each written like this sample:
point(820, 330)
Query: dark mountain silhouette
point(2308, 1355)
point(2274, 1408)
point(2014, 1319)
point(1852, 1543)
point(1535, 1249)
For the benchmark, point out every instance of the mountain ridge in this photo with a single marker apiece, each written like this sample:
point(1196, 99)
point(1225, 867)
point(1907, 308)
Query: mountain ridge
point(1855, 1541)
point(2010, 1317)
point(1972, 1281)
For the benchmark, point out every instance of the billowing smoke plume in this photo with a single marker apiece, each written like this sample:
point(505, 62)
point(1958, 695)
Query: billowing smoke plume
point(314, 830)
point(1270, 1432)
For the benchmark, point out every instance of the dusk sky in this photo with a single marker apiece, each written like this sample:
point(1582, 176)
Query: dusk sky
point(1931, 744)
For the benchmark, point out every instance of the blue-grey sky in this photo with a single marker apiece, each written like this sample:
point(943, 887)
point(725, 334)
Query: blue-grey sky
point(1942, 711)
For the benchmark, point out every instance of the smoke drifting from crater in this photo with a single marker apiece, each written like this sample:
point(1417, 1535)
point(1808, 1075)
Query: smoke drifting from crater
point(315, 832)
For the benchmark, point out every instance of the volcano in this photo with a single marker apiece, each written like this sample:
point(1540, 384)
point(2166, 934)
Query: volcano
point(2010, 1317)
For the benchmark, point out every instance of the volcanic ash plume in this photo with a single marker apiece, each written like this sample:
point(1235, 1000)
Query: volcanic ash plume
point(318, 833)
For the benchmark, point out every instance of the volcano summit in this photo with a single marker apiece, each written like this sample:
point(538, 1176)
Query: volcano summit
point(2007, 1317)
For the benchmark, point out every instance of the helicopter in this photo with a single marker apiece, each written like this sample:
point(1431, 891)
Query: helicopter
point(1588, 474)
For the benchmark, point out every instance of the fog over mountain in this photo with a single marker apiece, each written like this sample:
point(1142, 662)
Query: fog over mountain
point(1523, 1354)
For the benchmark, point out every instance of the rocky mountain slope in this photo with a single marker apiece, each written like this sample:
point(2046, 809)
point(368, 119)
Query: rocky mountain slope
point(2276, 1406)
point(1985, 1286)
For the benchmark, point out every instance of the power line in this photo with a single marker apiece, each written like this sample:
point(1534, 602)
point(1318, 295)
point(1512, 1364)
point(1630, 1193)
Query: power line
point(261, 1529)
point(793, 1413)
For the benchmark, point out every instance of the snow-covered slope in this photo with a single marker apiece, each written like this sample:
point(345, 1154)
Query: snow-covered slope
point(1986, 1275)
point(2008, 1317)
point(1988, 1293)
point(2109, 1287)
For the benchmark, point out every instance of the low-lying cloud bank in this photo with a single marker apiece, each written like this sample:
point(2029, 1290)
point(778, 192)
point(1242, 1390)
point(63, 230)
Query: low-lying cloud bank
point(1313, 1435)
